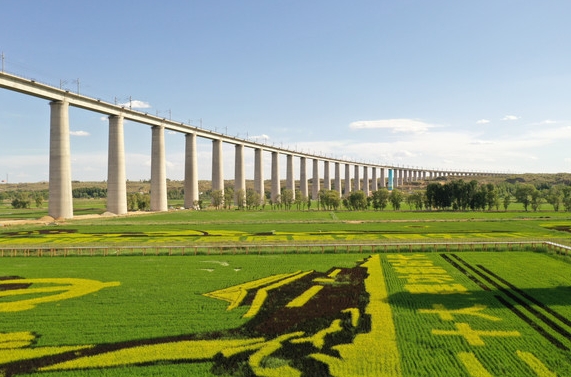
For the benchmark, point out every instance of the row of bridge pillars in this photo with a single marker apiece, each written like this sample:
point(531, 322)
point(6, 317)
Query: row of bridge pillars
point(60, 190)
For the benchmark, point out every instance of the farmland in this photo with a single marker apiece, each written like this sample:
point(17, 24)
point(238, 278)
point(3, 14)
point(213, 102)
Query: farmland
point(423, 314)
point(316, 292)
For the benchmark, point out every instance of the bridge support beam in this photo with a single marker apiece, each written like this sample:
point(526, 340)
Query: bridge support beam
point(374, 180)
point(60, 205)
point(303, 177)
point(239, 176)
point(315, 180)
point(217, 166)
point(366, 180)
point(116, 180)
point(356, 179)
point(158, 170)
point(191, 194)
point(275, 193)
point(347, 180)
point(290, 181)
point(337, 183)
point(326, 177)
point(259, 174)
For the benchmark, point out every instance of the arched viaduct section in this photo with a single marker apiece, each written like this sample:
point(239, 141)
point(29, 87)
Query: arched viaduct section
point(60, 193)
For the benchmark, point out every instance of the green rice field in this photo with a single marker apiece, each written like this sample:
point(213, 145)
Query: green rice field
point(389, 314)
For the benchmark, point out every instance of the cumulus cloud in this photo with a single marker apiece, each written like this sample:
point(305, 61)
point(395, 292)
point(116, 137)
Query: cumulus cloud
point(396, 125)
point(483, 121)
point(510, 117)
point(79, 133)
point(136, 104)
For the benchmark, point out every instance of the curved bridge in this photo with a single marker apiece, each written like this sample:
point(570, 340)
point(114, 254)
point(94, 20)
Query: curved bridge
point(60, 191)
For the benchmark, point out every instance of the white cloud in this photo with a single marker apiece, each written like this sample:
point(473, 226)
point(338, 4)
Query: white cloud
point(79, 133)
point(510, 117)
point(483, 121)
point(136, 104)
point(259, 137)
point(396, 125)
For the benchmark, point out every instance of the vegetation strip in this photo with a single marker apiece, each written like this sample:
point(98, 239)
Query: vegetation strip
point(528, 297)
point(528, 307)
point(466, 273)
point(530, 322)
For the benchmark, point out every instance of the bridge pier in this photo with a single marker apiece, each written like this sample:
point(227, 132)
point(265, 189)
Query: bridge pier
point(347, 180)
point(366, 180)
point(290, 181)
point(315, 180)
point(60, 203)
point(326, 177)
point(303, 177)
point(275, 193)
point(356, 179)
point(239, 176)
point(191, 194)
point(116, 179)
point(337, 182)
point(375, 181)
point(383, 183)
point(158, 170)
point(217, 166)
point(259, 174)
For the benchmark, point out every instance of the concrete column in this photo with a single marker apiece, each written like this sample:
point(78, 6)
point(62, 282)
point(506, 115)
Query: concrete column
point(290, 181)
point(191, 194)
point(60, 205)
point(375, 181)
point(401, 177)
point(217, 166)
point(158, 170)
point(239, 176)
point(116, 181)
point(347, 180)
point(315, 180)
point(337, 183)
point(326, 177)
point(259, 174)
point(383, 183)
point(356, 179)
point(303, 177)
point(275, 177)
point(366, 180)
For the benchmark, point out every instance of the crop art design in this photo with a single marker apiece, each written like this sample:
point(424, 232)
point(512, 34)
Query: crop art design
point(298, 323)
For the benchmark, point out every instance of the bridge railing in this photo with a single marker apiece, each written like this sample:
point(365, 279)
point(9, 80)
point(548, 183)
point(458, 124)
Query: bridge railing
point(283, 248)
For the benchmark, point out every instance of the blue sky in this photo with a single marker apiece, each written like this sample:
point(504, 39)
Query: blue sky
point(472, 85)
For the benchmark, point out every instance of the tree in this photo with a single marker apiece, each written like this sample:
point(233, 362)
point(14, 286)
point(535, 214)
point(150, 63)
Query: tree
point(357, 201)
point(523, 194)
point(396, 199)
point(300, 200)
point(329, 199)
point(554, 196)
point(252, 199)
point(22, 200)
point(217, 198)
point(536, 200)
point(240, 198)
point(228, 197)
point(507, 200)
point(416, 200)
point(287, 198)
point(566, 191)
point(381, 199)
